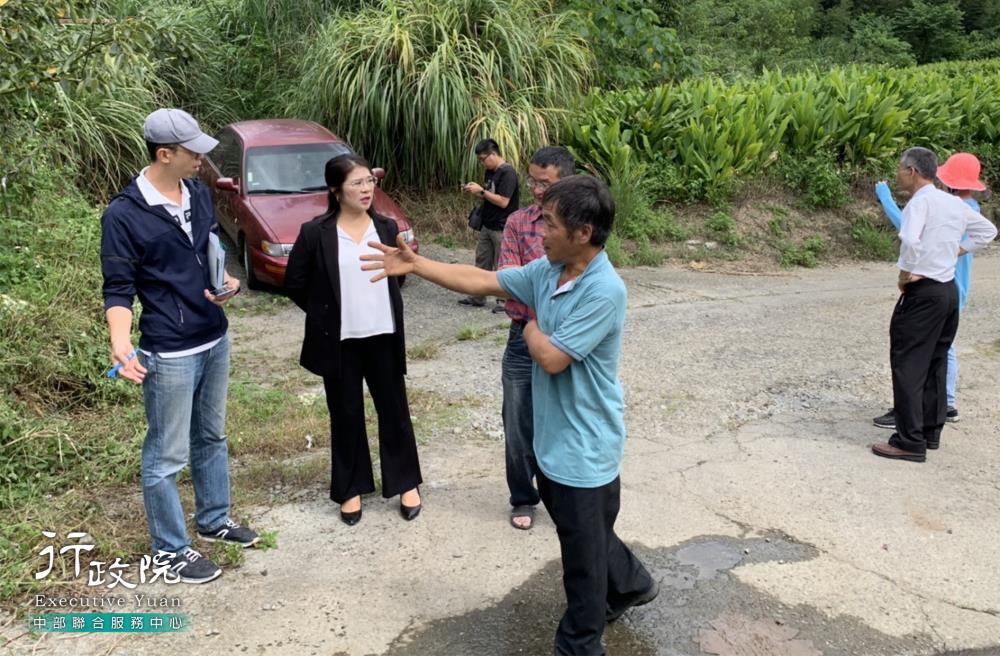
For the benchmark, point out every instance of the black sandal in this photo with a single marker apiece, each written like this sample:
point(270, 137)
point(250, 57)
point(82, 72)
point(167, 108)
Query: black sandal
point(523, 511)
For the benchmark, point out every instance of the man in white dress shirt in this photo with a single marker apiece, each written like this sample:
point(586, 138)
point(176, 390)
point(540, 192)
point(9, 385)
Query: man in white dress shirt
point(925, 319)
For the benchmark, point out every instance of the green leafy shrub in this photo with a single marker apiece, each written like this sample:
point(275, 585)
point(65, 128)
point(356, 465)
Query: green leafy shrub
point(647, 254)
point(616, 251)
point(71, 71)
point(630, 43)
point(805, 255)
point(817, 180)
point(873, 238)
point(636, 217)
point(723, 227)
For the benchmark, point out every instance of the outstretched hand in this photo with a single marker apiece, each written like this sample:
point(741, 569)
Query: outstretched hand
point(398, 261)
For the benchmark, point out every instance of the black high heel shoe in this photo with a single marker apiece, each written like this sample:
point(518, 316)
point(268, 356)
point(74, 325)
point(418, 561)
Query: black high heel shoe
point(409, 513)
point(350, 518)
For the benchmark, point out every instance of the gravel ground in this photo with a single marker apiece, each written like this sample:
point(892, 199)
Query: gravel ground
point(748, 485)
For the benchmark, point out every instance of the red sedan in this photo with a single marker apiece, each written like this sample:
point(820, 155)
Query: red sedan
point(267, 180)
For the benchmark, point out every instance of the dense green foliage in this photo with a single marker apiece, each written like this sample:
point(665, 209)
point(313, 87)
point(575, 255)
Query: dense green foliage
point(741, 38)
point(633, 45)
point(70, 72)
point(702, 136)
point(413, 84)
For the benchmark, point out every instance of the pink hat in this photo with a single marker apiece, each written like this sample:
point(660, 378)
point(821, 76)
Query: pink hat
point(961, 171)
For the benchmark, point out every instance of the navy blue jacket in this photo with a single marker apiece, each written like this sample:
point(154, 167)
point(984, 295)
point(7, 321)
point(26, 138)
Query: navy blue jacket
point(145, 252)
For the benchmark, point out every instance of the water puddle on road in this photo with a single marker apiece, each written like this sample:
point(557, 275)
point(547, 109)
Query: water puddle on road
point(701, 609)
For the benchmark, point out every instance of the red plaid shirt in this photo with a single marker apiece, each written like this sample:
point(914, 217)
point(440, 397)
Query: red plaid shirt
point(522, 243)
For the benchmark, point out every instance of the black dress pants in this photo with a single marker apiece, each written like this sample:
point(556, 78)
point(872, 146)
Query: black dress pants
point(922, 329)
point(371, 359)
point(598, 569)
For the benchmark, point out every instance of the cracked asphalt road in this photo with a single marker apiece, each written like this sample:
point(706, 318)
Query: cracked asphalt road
point(750, 400)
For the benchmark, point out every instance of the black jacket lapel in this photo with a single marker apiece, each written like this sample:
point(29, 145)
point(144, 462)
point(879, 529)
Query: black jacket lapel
point(331, 254)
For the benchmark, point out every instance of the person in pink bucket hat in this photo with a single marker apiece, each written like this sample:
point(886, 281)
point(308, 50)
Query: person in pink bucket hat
point(960, 174)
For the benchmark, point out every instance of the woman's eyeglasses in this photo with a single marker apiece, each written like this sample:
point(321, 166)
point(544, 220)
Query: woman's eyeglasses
point(362, 182)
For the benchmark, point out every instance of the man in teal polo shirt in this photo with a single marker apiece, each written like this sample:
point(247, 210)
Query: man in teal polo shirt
point(575, 342)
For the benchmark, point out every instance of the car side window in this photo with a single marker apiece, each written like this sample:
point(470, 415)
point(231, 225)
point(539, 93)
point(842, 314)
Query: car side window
point(227, 155)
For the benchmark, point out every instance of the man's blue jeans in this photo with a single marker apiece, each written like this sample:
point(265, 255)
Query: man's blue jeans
point(185, 402)
point(518, 421)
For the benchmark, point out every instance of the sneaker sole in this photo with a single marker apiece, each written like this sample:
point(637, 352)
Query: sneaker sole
point(885, 426)
point(245, 545)
point(204, 579)
point(952, 420)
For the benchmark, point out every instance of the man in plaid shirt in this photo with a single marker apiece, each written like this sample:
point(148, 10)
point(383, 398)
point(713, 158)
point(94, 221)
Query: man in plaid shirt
point(522, 243)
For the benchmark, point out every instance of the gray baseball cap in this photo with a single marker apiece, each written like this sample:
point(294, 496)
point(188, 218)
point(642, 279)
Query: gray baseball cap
point(175, 126)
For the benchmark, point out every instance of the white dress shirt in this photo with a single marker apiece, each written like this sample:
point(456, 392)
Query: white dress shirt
point(365, 309)
point(932, 227)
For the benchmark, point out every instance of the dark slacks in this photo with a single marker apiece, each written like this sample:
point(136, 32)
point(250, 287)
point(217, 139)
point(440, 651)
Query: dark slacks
point(923, 326)
point(371, 359)
point(598, 569)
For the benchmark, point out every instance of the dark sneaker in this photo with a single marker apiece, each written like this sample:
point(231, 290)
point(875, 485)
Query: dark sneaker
point(192, 567)
point(952, 415)
point(231, 533)
point(641, 598)
point(474, 302)
point(888, 420)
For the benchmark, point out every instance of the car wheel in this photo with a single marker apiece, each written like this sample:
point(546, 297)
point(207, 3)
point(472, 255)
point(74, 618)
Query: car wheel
point(252, 281)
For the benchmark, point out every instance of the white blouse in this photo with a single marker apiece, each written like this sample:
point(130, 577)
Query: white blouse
point(365, 309)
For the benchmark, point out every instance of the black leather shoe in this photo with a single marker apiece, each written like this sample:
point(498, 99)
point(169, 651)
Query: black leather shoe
point(350, 518)
point(639, 599)
point(409, 513)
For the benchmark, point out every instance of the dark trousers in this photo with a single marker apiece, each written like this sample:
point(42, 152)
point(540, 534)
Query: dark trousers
point(488, 251)
point(518, 421)
point(598, 569)
point(371, 359)
point(922, 329)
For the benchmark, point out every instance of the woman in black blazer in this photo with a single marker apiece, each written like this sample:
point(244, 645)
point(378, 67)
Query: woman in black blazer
point(354, 331)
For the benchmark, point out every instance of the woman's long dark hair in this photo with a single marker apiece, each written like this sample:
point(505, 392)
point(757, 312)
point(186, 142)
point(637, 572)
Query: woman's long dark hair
point(335, 173)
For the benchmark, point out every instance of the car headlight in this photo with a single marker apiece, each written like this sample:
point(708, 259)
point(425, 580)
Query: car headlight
point(407, 235)
point(276, 250)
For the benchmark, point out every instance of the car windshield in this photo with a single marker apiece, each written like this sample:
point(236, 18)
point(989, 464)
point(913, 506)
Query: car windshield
point(292, 169)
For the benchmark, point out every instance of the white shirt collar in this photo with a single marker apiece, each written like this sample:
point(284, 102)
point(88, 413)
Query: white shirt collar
point(152, 195)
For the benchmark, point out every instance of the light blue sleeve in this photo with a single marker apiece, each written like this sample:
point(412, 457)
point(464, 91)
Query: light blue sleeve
point(587, 326)
point(889, 205)
point(519, 282)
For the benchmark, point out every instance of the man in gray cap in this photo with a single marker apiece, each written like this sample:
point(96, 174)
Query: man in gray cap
point(154, 245)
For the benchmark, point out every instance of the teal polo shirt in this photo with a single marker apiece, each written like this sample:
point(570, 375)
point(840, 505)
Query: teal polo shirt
point(579, 413)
